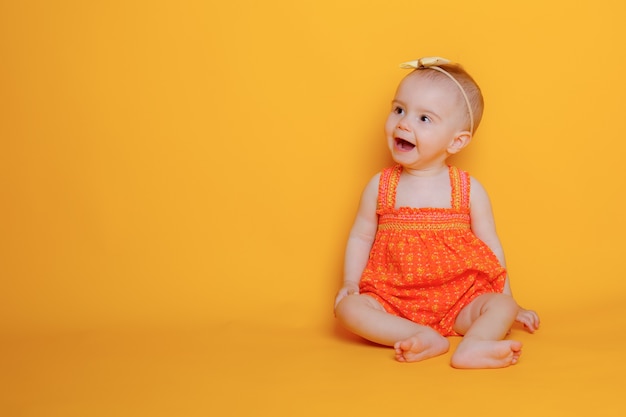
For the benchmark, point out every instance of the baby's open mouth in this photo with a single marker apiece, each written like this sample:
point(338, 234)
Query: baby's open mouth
point(404, 145)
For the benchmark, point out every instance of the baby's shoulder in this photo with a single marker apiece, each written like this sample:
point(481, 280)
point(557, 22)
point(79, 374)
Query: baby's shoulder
point(372, 184)
point(475, 184)
point(478, 192)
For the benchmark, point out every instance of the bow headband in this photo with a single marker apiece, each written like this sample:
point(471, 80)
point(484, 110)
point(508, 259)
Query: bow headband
point(434, 62)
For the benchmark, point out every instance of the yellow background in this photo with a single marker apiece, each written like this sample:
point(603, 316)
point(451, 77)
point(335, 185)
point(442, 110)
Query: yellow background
point(178, 179)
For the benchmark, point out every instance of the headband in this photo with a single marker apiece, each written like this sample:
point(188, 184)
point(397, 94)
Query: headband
point(434, 62)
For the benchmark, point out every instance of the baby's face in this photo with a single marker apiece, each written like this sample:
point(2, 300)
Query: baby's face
point(426, 116)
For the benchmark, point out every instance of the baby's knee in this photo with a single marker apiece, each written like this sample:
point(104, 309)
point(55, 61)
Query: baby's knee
point(346, 310)
point(352, 309)
point(506, 304)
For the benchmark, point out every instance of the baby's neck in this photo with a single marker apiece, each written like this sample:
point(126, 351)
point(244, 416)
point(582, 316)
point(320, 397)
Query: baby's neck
point(426, 172)
point(429, 188)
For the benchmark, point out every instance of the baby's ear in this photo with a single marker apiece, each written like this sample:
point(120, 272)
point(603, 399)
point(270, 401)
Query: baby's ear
point(460, 141)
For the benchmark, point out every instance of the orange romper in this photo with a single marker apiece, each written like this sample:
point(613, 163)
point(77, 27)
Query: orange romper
point(426, 264)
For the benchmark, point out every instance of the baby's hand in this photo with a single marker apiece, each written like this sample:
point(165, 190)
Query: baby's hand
point(348, 289)
point(528, 318)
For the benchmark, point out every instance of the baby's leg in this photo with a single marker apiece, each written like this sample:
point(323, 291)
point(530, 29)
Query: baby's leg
point(364, 316)
point(484, 324)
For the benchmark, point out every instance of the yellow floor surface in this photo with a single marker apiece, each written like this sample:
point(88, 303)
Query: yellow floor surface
point(573, 366)
point(178, 161)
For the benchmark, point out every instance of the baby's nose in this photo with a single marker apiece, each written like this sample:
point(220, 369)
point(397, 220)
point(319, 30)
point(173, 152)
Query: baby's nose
point(404, 125)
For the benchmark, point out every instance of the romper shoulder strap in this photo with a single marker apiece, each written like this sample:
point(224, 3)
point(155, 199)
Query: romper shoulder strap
point(389, 178)
point(460, 182)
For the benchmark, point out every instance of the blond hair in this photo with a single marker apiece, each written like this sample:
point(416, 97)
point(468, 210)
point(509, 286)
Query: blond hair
point(469, 86)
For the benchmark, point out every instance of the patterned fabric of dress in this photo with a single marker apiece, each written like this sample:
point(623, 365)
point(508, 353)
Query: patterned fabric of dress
point(426, 264)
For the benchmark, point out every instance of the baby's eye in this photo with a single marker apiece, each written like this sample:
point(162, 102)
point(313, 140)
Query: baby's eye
point(398, 110)
point(424, 118)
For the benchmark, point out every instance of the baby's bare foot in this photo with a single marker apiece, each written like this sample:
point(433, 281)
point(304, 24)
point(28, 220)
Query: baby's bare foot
point(486, 354)
point(421, 346)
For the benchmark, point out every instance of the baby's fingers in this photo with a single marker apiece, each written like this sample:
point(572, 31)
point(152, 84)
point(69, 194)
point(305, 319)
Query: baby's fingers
point(529, 319)
point(529, 325)
point(339, 297)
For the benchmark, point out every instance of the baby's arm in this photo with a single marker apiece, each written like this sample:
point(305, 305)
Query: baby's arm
point(360, 240)
point(483, 226)
point(483, 223)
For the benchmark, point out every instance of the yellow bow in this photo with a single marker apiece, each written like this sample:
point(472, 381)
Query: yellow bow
point(429, 61)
